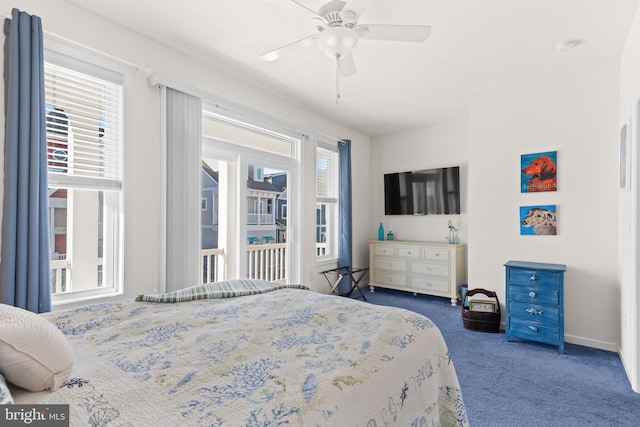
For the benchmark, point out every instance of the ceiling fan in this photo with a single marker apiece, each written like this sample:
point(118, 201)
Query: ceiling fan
point(339, 32)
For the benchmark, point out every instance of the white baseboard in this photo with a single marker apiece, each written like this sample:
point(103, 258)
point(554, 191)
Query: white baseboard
point(628, 370)
point(588, 342)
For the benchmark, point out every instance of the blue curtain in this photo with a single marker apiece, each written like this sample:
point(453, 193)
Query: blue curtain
point(24, 267)
point(344, 199)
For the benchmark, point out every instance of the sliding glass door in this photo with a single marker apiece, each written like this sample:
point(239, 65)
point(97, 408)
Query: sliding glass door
point(249, 211)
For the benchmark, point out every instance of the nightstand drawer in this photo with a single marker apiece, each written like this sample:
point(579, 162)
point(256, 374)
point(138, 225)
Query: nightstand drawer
point(430, 268)
point(532, 277)
point(389, 279)
point(536, 331)
point(535, 295)
point(390, 264)
point(428, 284)
point(539, 313)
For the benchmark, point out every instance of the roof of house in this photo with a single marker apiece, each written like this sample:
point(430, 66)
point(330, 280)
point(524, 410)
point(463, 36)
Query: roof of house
point(262, 185)
point(207, 169)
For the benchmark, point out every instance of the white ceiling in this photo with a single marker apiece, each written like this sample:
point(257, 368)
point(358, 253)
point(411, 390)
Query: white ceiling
point(398, 85)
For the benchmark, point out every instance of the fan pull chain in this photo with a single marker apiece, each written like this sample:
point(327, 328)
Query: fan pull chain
point(337, 80)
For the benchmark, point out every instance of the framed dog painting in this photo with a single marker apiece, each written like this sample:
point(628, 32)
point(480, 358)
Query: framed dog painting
point(538, 172)
point(538, 220)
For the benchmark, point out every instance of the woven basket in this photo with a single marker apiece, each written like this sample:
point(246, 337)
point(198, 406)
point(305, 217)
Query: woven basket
point(479, 320)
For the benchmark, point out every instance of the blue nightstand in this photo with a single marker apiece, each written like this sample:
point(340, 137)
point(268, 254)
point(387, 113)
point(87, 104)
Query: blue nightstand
point(535, 302)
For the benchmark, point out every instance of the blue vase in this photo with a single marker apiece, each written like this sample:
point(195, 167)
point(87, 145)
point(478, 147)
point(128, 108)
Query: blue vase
point(381, 232)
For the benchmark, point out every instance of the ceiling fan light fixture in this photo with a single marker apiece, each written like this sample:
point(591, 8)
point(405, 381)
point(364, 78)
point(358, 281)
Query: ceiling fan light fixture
point(337, 42)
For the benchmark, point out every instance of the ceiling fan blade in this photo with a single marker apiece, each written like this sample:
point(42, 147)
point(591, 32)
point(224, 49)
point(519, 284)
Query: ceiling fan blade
point(399, 33)
point(347, 66)
point(278, 53)
point(358, 6)
point(305, 7)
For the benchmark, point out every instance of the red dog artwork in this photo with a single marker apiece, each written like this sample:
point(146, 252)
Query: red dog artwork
point(543, 174)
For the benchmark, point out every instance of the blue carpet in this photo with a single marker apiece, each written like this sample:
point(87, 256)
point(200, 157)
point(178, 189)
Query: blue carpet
point(521, 383)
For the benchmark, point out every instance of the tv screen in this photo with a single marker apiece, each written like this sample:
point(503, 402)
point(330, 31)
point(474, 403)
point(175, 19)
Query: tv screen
point(423, 192)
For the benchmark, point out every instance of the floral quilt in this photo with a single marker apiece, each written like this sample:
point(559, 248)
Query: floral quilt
point(288, 356)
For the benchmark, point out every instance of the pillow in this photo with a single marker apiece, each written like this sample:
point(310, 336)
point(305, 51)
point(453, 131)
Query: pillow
point(34, 354)
point(5, 395)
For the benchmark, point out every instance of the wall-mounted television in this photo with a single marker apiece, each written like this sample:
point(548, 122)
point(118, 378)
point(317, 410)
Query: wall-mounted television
point(423, 192)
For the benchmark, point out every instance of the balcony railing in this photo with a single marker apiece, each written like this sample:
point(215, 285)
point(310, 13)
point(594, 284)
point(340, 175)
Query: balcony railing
point(59, 275)
point(212, 265)
point(260, 218)
point(264, 262)
point(321, 248)
point(267, 262)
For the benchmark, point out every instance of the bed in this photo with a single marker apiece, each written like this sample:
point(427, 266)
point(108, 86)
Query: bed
point(252, 353)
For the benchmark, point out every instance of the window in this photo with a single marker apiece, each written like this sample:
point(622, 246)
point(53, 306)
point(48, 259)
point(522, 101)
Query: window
point(326, 201)
point(84, 114)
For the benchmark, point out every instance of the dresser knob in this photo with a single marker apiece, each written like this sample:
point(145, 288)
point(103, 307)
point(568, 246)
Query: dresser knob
point(532, 294)
point(534, 312)
point(533, 278)
point(428, 268)
point(533, 328)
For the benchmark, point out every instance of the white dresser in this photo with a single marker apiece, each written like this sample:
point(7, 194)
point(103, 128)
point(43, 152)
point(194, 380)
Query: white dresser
point(431, 268)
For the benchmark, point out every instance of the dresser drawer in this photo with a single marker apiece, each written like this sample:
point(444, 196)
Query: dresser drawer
point(436, 253)
point(539, 313)
point(429, 284)
point(389, 279)
point(409, 252)
point(532, 277)
point(384, 250)
point(536, 331)
point(390, 264)
point(430, 268)
point(535, 295)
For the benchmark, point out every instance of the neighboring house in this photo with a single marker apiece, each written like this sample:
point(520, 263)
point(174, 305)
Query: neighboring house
point(266, 207)
point(58, 223)
point(280, 181)
point(261, 207)
point(209, 207)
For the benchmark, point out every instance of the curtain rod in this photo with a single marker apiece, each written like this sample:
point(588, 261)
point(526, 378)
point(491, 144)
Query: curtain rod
point(234, 108)
point(136, 67)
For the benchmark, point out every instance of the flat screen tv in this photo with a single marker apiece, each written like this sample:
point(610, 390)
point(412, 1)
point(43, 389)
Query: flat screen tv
point(423, 192)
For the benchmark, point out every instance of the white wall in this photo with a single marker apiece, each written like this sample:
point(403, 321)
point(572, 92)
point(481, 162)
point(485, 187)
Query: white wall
point(575, 114)
point(432, 147)
point(67, 22)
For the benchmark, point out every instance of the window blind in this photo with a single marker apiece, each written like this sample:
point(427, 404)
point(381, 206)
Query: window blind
point(326, 182)
point(84, 129)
